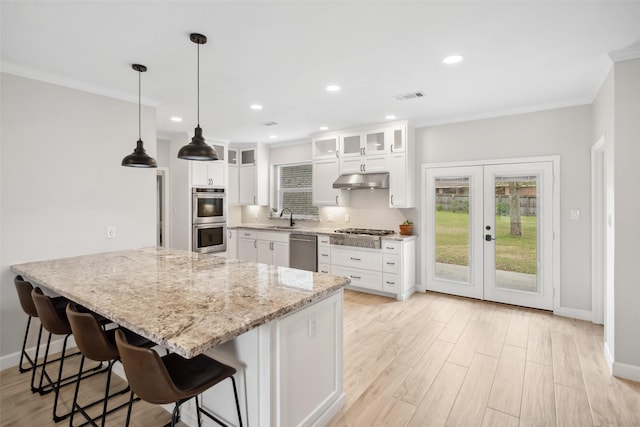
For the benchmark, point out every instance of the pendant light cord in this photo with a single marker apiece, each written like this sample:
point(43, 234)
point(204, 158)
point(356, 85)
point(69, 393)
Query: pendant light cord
point(198, 85)
point(139, 105)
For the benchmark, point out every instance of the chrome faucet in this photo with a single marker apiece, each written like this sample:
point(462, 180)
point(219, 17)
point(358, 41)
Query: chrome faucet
point(290, 217)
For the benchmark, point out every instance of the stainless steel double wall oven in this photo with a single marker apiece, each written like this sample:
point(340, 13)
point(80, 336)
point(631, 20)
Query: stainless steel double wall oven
point(209, 213)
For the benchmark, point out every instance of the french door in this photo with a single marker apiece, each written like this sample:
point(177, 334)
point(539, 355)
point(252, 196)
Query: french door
point(490, 233)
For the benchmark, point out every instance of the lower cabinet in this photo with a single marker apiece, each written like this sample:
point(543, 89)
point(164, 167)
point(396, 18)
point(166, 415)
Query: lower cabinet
point(232, 243)
point(266, 247)
point(388, 271)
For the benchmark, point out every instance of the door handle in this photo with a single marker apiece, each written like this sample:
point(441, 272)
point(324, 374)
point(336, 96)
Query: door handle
point(488, 237)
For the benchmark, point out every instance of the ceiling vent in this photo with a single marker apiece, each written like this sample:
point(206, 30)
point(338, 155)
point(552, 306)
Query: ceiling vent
point(268, 124)
point(410, 95)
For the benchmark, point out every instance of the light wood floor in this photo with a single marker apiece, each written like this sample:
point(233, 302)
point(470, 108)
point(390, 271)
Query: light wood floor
point(429, 361)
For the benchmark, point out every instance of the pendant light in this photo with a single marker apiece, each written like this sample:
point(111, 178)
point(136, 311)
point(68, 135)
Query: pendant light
point(139, 158)
point(198, 149)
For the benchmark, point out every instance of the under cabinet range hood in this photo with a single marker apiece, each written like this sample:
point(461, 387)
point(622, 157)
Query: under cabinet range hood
point(357, 181)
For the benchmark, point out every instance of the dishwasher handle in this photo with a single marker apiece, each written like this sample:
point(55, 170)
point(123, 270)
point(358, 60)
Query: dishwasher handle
point(302, 238)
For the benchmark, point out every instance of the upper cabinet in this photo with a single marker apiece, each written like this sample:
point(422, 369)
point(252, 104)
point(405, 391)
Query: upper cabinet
point(363, 152)
point(210, 173)
point(401, 167)
point(326, 148)
point(233, 192)
point(251, 162)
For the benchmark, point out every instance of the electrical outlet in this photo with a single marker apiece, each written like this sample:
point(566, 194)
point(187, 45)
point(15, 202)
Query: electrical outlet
point(313, 327)
point(330, 217)
point(111, 232)
point(347, 218)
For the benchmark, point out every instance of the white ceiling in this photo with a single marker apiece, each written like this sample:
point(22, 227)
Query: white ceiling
point(519, 56)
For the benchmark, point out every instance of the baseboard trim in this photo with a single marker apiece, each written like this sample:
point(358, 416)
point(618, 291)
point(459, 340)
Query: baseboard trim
point(628, 372)
point(12, 360)
point(574, 313)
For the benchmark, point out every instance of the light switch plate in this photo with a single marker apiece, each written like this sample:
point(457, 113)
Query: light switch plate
point(574, 214)
point(111, 232)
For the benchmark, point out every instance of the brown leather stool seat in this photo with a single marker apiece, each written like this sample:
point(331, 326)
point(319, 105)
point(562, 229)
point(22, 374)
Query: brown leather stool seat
point(97, 344)
point(24, 289)
point(172, 378)
point(55, 321)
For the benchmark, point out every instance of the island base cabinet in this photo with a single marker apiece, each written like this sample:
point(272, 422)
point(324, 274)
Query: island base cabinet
point(289, 371)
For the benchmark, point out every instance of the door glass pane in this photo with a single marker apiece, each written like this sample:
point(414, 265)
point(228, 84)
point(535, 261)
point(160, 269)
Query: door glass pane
point(398, 140)
point(452, 228)
point(233, 157)
point(351, 144)
point(325, 147)
point(248, 157)
point(516, 201)
point(375, 142)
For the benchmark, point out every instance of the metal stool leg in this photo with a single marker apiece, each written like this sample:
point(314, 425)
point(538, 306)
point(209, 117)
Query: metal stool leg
point(235, 394)
point(35, 368)
point(24, 351)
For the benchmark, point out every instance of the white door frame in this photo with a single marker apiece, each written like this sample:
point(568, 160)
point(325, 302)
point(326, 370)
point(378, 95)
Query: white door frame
point(555, 160)
point(598, 231)
point(166, 212)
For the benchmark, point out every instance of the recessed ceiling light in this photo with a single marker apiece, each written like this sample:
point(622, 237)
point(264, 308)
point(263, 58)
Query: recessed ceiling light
point(256, 107)
point(324, 127)
point(273, 136)
point(176, 119)
point(452, 59)
point(390, 117)
point(333, 88)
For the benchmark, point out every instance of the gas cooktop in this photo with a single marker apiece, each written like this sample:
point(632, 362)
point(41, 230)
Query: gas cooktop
point(365, 231)
point(359, 237)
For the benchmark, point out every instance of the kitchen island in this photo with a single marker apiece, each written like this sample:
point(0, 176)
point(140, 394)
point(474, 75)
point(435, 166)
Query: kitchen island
point(280, 328)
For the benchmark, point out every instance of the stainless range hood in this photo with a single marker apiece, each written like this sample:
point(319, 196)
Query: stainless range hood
point(357, 181)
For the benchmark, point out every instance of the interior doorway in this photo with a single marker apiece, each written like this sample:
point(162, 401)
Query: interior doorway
point(598, 232)
point(490, 232)
point(162, 211)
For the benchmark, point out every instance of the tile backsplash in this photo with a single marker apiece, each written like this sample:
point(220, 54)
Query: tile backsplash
point(367, 209)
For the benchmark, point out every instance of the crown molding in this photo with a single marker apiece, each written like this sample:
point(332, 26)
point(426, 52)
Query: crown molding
point(631, 52)
point(57, 79)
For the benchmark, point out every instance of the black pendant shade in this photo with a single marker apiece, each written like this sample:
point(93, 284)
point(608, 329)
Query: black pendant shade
point(139, 158)
point(198, 149)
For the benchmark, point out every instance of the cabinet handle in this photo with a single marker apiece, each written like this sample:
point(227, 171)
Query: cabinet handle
point(355, 277)
point(390, 283)
point(364, 151)
point(336, 153)
point(324, 254)
point(337, 200)
point(254, 200)
point(390, 247)
point(247, 234)
point(271, 245)
point(255, 244)
point(391, 147)
point(391, 263)
point(364, 168)
point(392, 199)
point(356, 259)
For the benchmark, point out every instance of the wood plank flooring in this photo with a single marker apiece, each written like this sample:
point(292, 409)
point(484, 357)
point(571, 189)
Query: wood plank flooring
point(439, 360)
point(433, 360)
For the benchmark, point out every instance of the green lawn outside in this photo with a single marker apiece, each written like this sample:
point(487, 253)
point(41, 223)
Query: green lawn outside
point(513, 253)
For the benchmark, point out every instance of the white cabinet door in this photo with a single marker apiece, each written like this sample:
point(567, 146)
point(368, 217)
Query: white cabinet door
point(351, 165)
point(325, 172)
point(232, 243)
point(265, 254)
point(217, 173)
point(376, 163)
point(376, 142)
point(233, 193)
point(280, 251)
point(351, 145)
point(247, 187)
point(326, 148)
point(397, 181)
point(398, 139)
point(247, 250)
point(199, 174)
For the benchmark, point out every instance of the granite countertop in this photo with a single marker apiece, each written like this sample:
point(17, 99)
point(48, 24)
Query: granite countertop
point(186, 301)
point(312, 230)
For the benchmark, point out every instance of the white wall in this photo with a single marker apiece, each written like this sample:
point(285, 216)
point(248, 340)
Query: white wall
point(565, 132)
point(62, 183)
point(627, 227)
point(164, 153)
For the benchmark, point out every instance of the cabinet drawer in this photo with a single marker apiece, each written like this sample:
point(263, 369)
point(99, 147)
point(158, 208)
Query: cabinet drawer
point(360, 278)
point(245, 233)
point(324, 254)
point(391, 263)
point(323, 240)
point(391, 283)
point(391, 246)
point(349, 257)
point(324, 268)
point(273, 236)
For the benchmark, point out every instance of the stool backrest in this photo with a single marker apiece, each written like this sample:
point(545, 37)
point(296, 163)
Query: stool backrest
point(146, 373)
point(90, 338)
point(51, 319)
point(24, 289)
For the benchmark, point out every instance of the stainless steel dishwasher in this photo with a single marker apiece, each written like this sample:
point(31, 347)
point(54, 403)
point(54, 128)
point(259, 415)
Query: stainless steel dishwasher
point(303, 252)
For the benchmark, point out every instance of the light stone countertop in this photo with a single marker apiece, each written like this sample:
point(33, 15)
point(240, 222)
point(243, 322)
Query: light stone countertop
point(314, 230)
point(186, 301)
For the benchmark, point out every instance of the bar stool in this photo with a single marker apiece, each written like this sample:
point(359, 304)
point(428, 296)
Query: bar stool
point(24, 289)
point(171, 378)
point(55, 322)
point(97, 344)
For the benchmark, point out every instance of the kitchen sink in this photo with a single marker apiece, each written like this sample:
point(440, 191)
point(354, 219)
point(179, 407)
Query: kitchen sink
point(281, 227)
